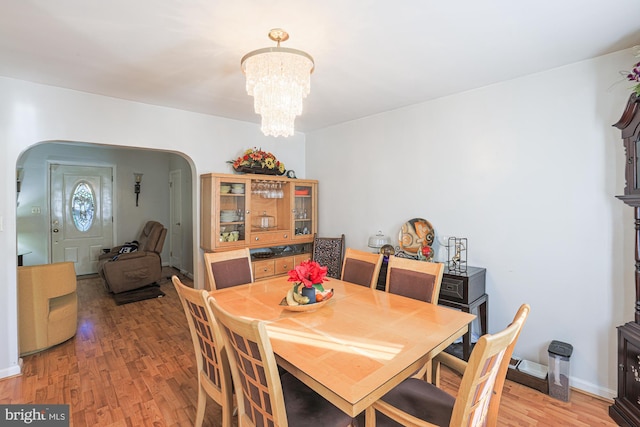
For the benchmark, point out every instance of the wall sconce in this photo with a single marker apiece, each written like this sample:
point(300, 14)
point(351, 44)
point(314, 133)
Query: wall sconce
point(136, 188)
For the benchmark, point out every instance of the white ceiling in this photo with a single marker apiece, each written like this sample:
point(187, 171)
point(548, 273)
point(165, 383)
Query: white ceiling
point(371, 56)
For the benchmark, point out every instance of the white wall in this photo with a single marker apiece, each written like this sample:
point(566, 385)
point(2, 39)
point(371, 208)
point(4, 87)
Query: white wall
point(528, 171)
point(31, 113)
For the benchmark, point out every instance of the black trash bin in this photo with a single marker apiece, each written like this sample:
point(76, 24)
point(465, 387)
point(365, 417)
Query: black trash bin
point(559, 355)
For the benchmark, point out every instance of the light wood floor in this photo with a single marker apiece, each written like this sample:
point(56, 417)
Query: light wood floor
point(133, 365)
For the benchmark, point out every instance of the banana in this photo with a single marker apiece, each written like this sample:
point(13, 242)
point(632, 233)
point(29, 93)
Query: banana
point(297, 297)
point(290, 299)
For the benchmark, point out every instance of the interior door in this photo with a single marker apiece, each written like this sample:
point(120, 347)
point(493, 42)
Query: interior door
point(81, 214)
point(175, 219)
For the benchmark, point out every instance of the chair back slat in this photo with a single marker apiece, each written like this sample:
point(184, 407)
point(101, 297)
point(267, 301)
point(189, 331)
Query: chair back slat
point(255, 390)
point(207, 345)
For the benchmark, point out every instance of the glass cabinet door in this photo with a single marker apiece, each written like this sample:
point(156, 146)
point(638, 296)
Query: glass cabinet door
point(270, 220)
point(304, 211)
point(232, 212)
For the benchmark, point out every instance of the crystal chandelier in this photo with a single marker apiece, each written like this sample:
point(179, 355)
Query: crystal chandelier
point(278, 79)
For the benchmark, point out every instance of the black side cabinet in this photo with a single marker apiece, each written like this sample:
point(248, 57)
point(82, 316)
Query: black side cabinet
point(466, 292)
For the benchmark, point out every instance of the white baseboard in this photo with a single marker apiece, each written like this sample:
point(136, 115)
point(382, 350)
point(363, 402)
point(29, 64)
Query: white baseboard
point(590, 388)
point(11, 371)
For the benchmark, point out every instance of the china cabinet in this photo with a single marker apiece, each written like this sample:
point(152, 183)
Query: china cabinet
point(626, 406)
point(259, 212)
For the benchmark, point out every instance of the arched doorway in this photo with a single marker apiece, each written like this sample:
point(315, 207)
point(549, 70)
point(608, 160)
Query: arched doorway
point(33, 212)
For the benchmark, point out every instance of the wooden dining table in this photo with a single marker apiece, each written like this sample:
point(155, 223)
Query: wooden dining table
point(354, 348)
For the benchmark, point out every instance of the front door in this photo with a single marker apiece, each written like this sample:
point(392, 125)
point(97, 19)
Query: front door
point(81, 214)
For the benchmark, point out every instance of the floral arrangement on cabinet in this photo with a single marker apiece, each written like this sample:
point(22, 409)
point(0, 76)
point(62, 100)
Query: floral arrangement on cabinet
point(255, 160)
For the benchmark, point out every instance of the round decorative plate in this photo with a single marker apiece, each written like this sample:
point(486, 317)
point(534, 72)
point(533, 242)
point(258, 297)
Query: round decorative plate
point(304, 307)
point(415, 233)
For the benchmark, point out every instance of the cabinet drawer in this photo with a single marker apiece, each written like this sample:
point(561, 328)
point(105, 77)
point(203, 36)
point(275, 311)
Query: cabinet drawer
point(263, 269)
point(452, 288)
point(270, 237)
point(283, 265)
point(463, 287)
point(297, 259)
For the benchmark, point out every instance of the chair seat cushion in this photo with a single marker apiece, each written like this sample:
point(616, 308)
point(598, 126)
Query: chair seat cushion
point(420, 399)
point(305, 407)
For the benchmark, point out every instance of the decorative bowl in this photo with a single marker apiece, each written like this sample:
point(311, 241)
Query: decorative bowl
point(304, 307)
point(328, 294)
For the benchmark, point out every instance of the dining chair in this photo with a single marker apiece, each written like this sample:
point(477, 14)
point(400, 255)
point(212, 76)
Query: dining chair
point(214, 374)
point(264, 397)
point(229, 268)
point(419, 280)
point(419, 403)
point(329, 252)
point(361, 268)
point(459, 366)
point(415, 279)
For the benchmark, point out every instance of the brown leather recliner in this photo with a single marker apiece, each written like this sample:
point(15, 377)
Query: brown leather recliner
point(123, 270)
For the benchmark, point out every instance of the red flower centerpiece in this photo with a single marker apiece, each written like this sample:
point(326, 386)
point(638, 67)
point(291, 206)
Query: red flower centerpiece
point(308, 273)
point(311, 275)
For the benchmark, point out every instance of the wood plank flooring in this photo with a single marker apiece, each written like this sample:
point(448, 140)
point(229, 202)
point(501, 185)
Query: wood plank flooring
point(133, 365)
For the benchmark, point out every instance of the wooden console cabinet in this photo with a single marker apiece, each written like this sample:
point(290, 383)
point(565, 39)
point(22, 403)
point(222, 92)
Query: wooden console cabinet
point(258, 212)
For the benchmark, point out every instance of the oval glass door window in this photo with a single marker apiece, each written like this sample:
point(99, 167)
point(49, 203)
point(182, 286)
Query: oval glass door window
point(83, 205)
